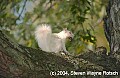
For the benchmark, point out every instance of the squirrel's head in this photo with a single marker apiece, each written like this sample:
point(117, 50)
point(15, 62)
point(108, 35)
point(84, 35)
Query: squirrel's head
point(68, 34)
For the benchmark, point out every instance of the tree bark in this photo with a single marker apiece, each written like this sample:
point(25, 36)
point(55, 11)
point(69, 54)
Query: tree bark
point(112, 26)
point(18, 61)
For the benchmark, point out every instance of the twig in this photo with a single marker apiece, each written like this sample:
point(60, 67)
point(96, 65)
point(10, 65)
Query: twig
point(22, 9)
point(44, 11)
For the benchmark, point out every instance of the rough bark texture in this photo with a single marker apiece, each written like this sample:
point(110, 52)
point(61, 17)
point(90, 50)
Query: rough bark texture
point(17, 61)
point(112, 26)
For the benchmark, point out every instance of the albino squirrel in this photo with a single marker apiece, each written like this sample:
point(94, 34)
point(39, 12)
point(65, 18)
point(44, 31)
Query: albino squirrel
point(52, 42)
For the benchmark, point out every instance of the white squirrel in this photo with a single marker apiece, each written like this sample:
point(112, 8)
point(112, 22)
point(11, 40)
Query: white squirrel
point(52, 42)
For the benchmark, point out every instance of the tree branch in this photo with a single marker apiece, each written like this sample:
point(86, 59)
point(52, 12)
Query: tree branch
point(22, 9)
point(27, 62)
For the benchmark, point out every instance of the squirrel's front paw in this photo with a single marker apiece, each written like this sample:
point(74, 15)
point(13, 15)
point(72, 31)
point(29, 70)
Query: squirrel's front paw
point(66, 53)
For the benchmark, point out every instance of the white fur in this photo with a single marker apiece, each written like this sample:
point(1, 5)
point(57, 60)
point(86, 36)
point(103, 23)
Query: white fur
point(51, 42)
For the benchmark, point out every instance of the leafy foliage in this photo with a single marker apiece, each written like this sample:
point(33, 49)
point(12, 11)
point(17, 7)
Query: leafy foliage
point(21, 17)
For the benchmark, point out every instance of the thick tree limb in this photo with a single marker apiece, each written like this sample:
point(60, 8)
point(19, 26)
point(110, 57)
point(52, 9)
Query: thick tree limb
point(19, 61)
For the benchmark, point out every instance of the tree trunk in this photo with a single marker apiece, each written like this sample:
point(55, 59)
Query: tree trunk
point(112, 26)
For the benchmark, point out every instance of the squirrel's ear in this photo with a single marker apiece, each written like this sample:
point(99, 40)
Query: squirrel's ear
point(64, 29)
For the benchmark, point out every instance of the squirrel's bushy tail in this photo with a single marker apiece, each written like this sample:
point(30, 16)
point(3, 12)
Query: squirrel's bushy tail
point(42, 36)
